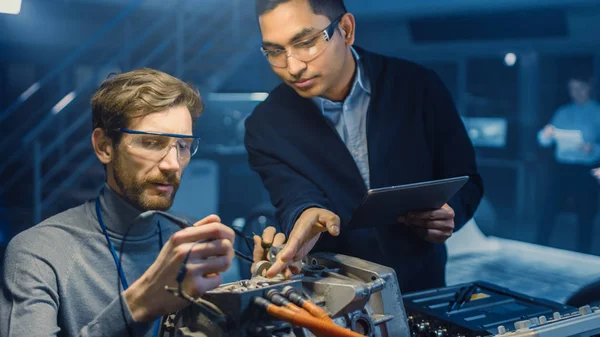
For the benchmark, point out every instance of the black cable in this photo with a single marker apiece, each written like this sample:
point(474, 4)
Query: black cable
point(142, 216)
point(212, 314)
point(183, 223)
point(240, 234)
point(183, 267)
point(243, 256)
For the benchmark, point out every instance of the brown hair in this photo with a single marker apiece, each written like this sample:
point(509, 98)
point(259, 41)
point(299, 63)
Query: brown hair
point(139, 93)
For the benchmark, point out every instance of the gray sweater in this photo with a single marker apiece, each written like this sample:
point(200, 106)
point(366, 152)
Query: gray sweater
point(60, 278)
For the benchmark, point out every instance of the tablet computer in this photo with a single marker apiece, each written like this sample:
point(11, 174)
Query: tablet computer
point(384, 205)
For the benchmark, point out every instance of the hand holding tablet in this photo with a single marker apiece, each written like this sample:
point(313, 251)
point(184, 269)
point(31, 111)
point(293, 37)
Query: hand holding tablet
point(434, 226)
point(420, 205)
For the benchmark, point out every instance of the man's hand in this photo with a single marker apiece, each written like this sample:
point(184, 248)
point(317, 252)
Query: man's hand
point(433, 226)
point(596, 173)
point(587, 148)
point(262, 246)
point(147, 298)
point(305, 234)
point(548, 131)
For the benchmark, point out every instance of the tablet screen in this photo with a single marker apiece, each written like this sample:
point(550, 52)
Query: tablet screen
point(382, 206)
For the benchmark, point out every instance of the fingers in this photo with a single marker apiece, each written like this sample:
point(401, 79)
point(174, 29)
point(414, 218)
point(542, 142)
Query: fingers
point(438, 214)
point(205, 250)
point(205, 274)
point(304, 235)
point(306, 227)
point(268, 235)
point(444, 213)
point(433, 226)
point(433, 235)
point(295, 268)
point(298, 235)
point(203, 267)
point(211, 231)
point(259, 252)
point(443, 225)
point(422, 218)
point(416, 219)
point(279, 239)
point(282, 264)
point(287, 272)
point(209, 219)
point(276, 268)
point(206, 283)
point(332, 223)
point(269, 238)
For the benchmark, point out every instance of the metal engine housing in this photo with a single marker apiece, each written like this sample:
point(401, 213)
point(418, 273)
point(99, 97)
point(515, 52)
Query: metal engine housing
point(359, 295)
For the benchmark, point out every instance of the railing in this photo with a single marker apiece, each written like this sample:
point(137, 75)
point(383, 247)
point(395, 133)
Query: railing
point(212, 33)
point(35, 87)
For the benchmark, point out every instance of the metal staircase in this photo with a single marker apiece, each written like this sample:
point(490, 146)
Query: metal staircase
point(46, 131)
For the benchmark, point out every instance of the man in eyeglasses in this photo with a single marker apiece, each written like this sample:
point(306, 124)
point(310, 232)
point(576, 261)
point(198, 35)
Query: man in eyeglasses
point(346, 120)
point(100, 269)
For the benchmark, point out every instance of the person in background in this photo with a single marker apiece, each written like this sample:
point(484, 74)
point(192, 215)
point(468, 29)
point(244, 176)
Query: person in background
point(574, 131)
point(596, 173)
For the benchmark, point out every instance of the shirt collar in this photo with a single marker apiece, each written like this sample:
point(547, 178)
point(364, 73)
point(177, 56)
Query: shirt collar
point(361, 82)
point(361, 77)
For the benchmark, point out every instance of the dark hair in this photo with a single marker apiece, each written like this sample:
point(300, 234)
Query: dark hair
point(579, 70)
point(330, 8)
point(581, 77)
point(139, 93)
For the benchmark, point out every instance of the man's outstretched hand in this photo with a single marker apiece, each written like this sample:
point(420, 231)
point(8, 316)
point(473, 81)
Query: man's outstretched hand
point(305, 234)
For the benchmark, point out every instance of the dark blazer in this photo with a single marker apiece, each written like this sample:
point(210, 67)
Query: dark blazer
point(414, 134)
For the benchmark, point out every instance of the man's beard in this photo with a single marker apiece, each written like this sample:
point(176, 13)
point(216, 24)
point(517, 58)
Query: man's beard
point(133, 190)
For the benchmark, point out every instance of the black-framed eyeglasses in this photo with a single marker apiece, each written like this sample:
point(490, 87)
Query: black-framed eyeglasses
point(305, 50)
point(155, 145)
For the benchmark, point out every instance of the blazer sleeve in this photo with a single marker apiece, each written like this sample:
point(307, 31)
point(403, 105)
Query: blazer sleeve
point(290, 191)
point(453, 153)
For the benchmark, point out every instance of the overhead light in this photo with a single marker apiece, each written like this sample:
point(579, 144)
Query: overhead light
point(510, 59)
point(10, 6)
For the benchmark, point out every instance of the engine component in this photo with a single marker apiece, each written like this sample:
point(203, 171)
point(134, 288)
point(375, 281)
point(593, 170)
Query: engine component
point(361, 296)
